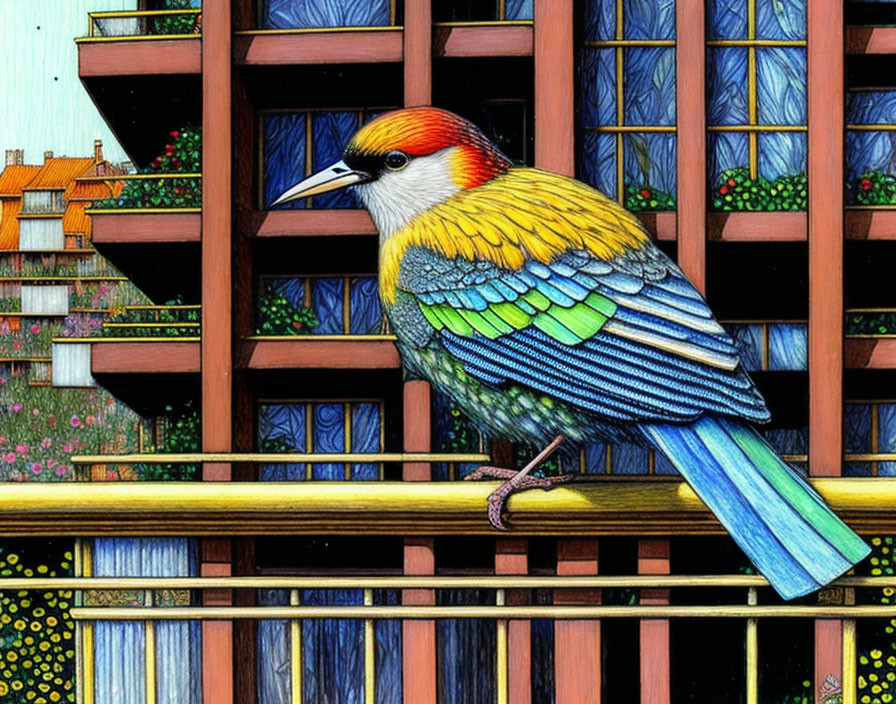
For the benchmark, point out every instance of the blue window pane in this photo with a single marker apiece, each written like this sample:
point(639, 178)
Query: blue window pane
point(327, 303)
point(870, 155)
point(600, 20)
point(857, 437)
point(273, 661)
point(662, 465)
point(333, 650)
point(366, 434)
point(650, 161)
point(649, 86)
point(596, 458)
point(289, 14)
point(466, 652)
point(727, 19)
point(727, 150)
point(788, 347)
point(649, 19)
point(782, 154)
point(328, 435)
point(886, 419)
point(364, 306)
point(331, 131)
point(781, 85)
point(598, 162)
point(519, 9)
point(388, 658)
point(628, 458)
point(781, 20)
point(598, 81)
point(284, 155)
point(748, 339)
point(727, 86)
point(282, 427)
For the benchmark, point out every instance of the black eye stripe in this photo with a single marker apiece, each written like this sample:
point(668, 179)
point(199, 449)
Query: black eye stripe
point(374, 164)
point(396, 160)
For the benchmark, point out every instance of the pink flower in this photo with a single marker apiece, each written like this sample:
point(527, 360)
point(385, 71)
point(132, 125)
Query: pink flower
point(17, 345)
point(2, 439)
point(35, 412)
point(10, 457)
point(51, 420)
point(22, 449)
point(67, 448)
point(75, 421)
point(51, 464)
point(45, 443)
point(36, 468)
point(2, 381)
point(90, 420)
point(16, 407)
point(60, 470)
point(35, 329)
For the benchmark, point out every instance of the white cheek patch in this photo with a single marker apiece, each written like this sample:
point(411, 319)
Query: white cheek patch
point(397, 197)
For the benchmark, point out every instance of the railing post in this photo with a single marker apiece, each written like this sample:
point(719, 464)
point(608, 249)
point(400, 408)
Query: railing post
point(418, 641)
point(417, 53)
point(577, 646)
point(653, 559)
point(554, 86)
point(217, 636)
point(512, 557)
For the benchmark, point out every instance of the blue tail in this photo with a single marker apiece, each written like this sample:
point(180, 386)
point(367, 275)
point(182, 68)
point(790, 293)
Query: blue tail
point(782, 525)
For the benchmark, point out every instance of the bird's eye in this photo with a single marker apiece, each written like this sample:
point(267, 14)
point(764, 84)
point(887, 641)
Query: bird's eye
point(396, 160)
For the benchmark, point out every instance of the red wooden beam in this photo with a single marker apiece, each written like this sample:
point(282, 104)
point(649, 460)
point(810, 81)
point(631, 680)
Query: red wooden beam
point(554, 86)
point(826, 166)
point(144, 357)
point(656, 684)
point(512, 557)
point(140, 58)
point(336, 47)
point(217, 358)
point(690, 101)
point(145, 228)
point(417, 53)
point(871, 40)
point(217, 636)
point(491, 40)
point(418, 644)
point(306, 223)
point(308, 353)
point(577, 650)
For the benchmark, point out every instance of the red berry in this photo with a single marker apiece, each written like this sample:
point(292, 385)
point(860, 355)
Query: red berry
point(175, 134)
point(723, 190)
point(866, 184)
point(645, 193)
point(297, 325)
point(732, 182)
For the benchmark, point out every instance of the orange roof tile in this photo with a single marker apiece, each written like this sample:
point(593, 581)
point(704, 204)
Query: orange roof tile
point(14, 178)
point(9, 224)
point(58, 172)
point(75, 221)
point(93, 190)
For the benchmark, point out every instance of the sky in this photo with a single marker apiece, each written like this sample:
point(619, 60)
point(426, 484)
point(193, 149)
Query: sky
point(43, 106)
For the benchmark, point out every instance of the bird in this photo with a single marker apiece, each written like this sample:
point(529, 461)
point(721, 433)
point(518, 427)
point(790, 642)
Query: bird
point(544, 311)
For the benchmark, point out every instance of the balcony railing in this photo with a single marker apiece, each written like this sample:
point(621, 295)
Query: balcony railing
point(176, 321)
point(494, 611)
point(145, 24)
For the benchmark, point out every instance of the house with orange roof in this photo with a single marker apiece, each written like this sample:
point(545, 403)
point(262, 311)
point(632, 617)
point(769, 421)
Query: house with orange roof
point(13, 179)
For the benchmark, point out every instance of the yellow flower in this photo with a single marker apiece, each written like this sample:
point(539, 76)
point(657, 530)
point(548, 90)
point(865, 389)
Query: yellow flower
point(52, 621)
point(12, 656)
point(19, 625)
point(42, 569)
point(55, 637)
point(12, 558)
point(43, 687)
point(17, 685)
point(4, 688)
point(38, 612)
point(5, 618)
point(45, 646)
point(35, 626)
point(875, 654)
point(55, 696)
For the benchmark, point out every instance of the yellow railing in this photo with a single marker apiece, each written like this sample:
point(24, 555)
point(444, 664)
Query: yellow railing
point(143, 24)
point(750, 611)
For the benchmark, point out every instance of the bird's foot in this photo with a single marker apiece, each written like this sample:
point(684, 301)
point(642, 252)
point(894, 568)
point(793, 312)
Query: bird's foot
point(513, 483)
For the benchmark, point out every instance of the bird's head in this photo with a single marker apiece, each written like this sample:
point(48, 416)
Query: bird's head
point(406, 161)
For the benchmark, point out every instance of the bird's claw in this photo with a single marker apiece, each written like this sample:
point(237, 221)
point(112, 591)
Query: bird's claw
point(497, 500)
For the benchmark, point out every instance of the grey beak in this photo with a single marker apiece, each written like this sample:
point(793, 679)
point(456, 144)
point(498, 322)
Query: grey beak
point(334, 177)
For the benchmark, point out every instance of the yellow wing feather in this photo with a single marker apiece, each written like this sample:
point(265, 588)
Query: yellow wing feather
point(523, 214)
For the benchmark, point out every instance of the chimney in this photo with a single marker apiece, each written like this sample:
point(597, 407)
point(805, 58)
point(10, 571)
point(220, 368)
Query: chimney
point(15, 157)
point(98, 157)
point(48, 155)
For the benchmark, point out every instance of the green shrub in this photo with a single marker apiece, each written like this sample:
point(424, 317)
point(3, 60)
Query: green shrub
point(736, 191)
point(878, 323)
point(873, 188)
point(640, 198)
point(181, 155)
point(182, 432)
point(877, 665)
point(277, 316)
point(176, 24)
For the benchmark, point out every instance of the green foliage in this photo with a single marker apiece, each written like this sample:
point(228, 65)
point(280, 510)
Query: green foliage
point(153, 322)
point(736, 190)
point(802, 696)
point(878, 323)
point(176, 24)
point(277, 316)
point(874, 188)
point(640, 198)
point(877, 664)
point(182, 154)
point(181, 432)
point(37, 643)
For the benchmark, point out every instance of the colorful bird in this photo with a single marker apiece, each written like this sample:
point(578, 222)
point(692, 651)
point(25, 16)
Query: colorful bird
point(544, 311)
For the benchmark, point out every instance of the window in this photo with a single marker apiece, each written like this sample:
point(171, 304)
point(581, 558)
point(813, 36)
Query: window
point(756, 85)
point(42, 202)
point(306, 14)
point(871, 148)
point(296, 144)
point(325, 427)
point(627, 102)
